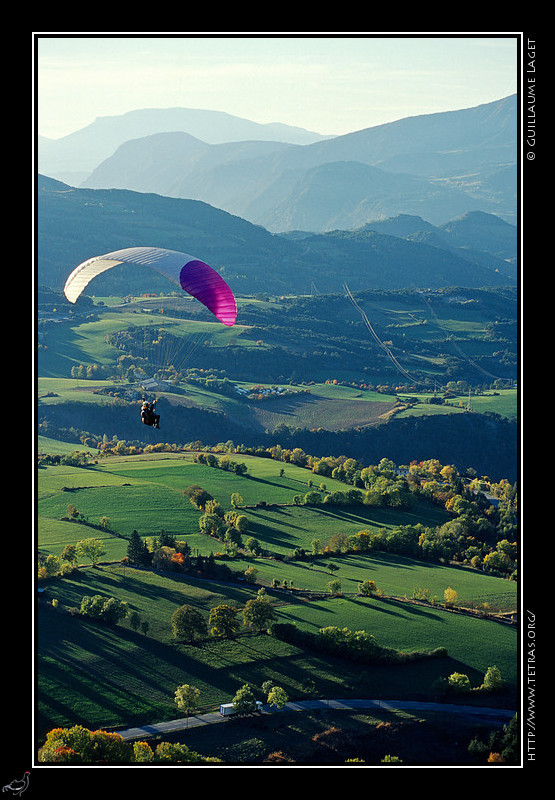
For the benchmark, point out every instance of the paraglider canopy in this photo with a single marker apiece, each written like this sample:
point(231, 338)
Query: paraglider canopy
point(192, 275)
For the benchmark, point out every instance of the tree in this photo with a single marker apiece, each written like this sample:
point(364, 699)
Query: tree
point(277, 697)
point(258, 612)
point(178, 559)
point(223, 621)
point(499, 746)
point(236, 500)
point(386, 465)
point(212, 524)
point(69, 553)
point(493, 681)
point(498, 561)
point(250, 574)
point(187, 623)
point(165, 539)
point(186, 698)
point(339, 542)
point(142, 752)
point(91, 548)
point(162, 558)
point(458, 682)
point(312, 499)
point(114, 610)
point(367, 588)
point(78, 745)
point(197, 495)
point(137, 551)
point(108, 609)
point(362, 541)
point(448, 473)
point(450, 597)
point(51, 566)
point(176, 753)
point(241, 523)
point(253, 546)
point(244, 701)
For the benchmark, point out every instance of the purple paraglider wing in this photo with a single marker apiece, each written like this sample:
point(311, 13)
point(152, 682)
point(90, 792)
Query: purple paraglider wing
point(204, 283)
point(195, 277)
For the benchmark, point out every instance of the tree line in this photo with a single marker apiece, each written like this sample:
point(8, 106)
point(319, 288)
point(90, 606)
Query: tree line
point(480, 533)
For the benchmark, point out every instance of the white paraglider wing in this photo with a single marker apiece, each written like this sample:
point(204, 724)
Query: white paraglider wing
point(194, 276)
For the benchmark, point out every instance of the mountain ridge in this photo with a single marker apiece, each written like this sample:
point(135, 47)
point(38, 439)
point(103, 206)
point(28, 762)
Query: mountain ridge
point(75, 224)
point(442, 165)
point(78, 153)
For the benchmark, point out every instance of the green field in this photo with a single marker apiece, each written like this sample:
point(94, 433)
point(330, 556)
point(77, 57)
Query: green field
point(70, 343)
point(501, 401)
point(100, 676)
point(410, 323)
point(326, 406)
point(146, 494)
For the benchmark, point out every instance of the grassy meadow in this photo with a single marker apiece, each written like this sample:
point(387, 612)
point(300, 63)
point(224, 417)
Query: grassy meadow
point(332, 407)
point(99, 676)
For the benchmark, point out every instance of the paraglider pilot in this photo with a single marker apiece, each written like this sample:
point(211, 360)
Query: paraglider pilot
point(148, 416)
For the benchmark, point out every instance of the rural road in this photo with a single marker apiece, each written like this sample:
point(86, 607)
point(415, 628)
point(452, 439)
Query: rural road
point(495, 716)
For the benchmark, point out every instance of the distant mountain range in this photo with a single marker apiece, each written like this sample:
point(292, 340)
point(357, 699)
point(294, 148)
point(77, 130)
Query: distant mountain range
point(474, 250)
point(72, 158)
point(435, 166)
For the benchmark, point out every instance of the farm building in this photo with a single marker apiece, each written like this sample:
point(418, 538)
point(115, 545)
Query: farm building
point(153, 385)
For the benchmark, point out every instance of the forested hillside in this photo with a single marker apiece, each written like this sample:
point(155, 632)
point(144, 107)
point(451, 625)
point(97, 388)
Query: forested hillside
point(75, 224)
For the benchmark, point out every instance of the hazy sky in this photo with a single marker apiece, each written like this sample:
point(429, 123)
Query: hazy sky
point(329, 83)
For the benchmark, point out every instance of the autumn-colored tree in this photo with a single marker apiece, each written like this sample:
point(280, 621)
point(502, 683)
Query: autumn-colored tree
point(362, 541)
point(367, 588)
point(162, 558)
point(178, 559)
point(142, 752)
point(82, 746)
point(450, 597)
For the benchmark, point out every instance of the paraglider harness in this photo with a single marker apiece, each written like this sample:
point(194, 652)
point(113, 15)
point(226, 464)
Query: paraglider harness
point(148, 416)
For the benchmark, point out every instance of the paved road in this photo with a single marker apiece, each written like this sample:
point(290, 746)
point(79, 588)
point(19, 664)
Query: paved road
point(495, 716)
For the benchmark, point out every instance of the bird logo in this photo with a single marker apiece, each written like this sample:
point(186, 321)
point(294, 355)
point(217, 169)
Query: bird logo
point(17, 787)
